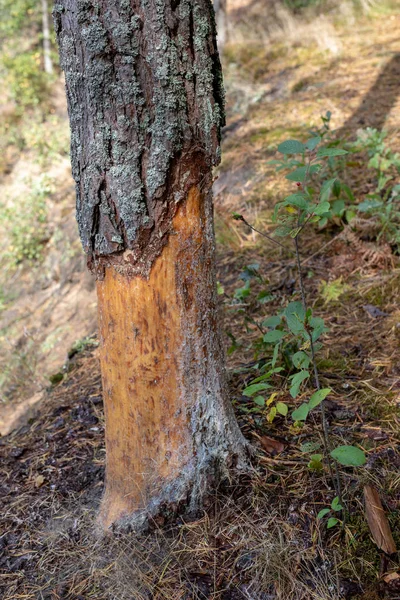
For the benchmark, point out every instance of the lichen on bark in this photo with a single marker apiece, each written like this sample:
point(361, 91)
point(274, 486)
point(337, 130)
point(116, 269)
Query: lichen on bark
point(145, 100)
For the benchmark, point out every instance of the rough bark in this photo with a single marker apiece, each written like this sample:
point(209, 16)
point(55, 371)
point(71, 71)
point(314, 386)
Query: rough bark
point(145, 102)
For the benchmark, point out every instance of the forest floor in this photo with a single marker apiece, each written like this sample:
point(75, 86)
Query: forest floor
point(260, 539)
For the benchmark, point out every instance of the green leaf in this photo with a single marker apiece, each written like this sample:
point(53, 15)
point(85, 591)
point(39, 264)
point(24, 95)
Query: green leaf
point(332, 522)
point(317, 457)
point(261, 378)
point(271, 415)
point(266, 375)
point(275, 335)
point(322, 152)
point(301, 360)
point(297, 200)
point(282, 231)
point(250, 272)
point(315, 462)
point(264, 296)
point(318, 397)
point(323, 512)
point(318, 326)
point(349, 456)
point(321, 208)
point(282, 408)
point(369, 205)
point(324, 220)
point(374, 162)
point(254, 389)
point(243, 292)
point(335, 505)
point(297, 380)
point(338, 207)
point(348, 192)
point(337, 188)
point(291, 147)
point(259, 400)
point(276, 211)
point(301, 413)
point(326, 189)
point(272, 322)
point(300, 173)
point(312, 143)
point(295, 315)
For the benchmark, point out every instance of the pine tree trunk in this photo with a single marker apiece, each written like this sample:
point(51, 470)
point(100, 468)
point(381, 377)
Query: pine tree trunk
point(145, 103)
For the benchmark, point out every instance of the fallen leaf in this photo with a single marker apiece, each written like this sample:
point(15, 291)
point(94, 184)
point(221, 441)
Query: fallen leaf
point(271, 445)
point(39, 481)
point(391, 577)
point(377, 521)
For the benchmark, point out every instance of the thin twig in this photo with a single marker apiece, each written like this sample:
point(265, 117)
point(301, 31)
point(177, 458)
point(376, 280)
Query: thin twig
point(265, 235)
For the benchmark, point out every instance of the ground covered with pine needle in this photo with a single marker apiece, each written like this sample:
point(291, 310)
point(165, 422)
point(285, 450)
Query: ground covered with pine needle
point(258, 538)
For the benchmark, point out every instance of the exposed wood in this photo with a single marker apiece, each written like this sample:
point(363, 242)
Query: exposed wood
point(169, 425)
point(377, 521)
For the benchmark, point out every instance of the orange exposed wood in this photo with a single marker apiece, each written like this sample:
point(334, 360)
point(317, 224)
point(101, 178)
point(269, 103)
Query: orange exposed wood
point(146, 327)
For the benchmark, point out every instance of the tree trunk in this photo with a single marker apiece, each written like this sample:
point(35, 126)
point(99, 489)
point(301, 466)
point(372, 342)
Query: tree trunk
point(48, 63)
point(145, 103)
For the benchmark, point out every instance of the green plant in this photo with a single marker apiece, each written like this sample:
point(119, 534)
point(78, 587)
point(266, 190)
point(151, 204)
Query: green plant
point(336, 507)
point(332, 290)
point(27, 229)
point(21, 54)
point(323, 178)
point(296, 324)
point(383, 204)
point(48, 139)
point(27, 83)
point(81, 345)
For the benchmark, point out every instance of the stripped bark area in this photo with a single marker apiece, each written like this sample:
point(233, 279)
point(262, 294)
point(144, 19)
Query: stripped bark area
point(145, 100)
point(170, 428)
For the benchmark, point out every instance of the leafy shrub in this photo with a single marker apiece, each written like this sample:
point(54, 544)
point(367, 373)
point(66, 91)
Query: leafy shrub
point(296, 328)
point(383, 204)
point(27, 83)
point(26, 223)
point(48, 139)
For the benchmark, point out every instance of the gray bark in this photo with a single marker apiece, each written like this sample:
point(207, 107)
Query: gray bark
point(145, 101)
